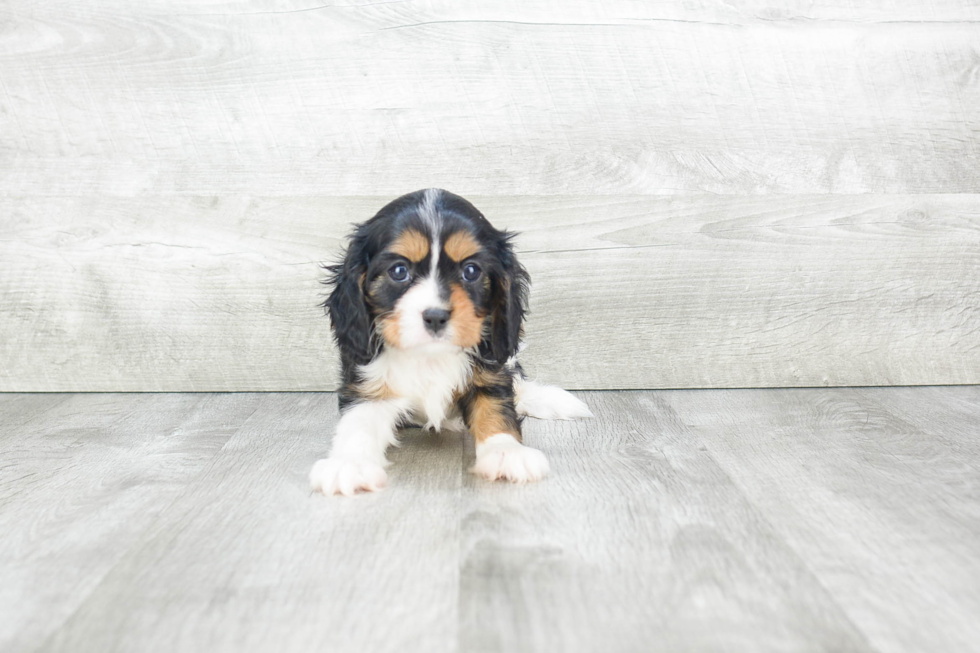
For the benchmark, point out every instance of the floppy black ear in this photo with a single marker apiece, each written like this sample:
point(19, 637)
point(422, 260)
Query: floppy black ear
point(347, 306)
point(509, 301)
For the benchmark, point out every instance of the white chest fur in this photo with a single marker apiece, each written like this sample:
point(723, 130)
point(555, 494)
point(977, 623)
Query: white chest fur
point(427, 378)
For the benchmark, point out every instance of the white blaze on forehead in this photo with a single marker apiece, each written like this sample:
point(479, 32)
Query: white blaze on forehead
point(428, 208)
point(425, 293)
point(431, 219)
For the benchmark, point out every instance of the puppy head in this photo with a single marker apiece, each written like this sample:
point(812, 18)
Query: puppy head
point(428, 273)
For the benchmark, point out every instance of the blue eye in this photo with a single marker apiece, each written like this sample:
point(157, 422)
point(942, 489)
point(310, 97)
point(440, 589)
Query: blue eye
point(471, 272)
point(398, 272)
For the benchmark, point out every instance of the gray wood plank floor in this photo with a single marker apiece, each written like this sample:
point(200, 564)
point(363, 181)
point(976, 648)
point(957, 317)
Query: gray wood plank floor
point(695, 520)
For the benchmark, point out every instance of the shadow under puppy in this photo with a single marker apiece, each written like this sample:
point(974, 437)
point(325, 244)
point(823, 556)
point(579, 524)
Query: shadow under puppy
point(427, 310)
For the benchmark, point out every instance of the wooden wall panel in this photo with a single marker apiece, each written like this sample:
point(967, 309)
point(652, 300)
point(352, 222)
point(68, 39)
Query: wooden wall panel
point(192, 293)
point(294, 98)
point(712, 194)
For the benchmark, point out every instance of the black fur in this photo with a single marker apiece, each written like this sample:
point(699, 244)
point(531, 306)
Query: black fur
point(509, 304)
point(347, 307)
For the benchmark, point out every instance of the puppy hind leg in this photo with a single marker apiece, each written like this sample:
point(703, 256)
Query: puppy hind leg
point(547, 401)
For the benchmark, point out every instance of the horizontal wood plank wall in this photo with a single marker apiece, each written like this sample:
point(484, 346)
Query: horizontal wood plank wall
point(710, 195)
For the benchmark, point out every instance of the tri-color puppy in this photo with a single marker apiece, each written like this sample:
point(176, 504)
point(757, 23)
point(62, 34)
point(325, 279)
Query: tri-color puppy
point(427, 310)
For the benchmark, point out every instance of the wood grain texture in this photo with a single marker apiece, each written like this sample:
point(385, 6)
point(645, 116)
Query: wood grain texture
point(947, 414)
point(639, 542)
point(21, 409)
point(884, 512)
point(246, 558)
point(756, 520)
point(672, 97)
point(81, 483)
point(206, 293)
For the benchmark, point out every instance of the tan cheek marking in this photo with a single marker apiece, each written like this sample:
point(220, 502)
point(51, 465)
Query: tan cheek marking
point(467, 325)
point(412, 245)
point(461, 245)
point(487, 418)
point(389, 323)
point(375, 289)
point(390, 331)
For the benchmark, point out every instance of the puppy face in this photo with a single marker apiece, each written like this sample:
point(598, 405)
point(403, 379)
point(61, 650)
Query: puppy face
point(428, 273)
point(430, 289)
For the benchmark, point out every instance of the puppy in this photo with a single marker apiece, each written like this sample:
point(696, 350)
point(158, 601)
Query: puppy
point(427, 311)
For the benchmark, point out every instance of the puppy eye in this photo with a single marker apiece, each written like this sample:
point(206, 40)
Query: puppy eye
point(471, 272)
point(398, 272)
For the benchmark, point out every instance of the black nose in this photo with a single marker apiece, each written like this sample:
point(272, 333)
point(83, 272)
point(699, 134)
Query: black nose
point(435, 319)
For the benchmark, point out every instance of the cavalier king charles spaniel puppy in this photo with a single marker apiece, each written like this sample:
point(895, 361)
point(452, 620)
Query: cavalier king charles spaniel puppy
point(427, 310)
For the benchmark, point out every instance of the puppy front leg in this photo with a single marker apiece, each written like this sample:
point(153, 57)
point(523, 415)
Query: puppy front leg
point(491, 418)
point(357, 454)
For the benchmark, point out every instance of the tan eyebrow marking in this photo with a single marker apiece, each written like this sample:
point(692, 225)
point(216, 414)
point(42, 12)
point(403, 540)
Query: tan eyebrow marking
point(412, 245)
point(461, 245)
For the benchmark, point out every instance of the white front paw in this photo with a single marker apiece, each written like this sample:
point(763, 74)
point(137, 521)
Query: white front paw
point(502, 456)
point(346, 476)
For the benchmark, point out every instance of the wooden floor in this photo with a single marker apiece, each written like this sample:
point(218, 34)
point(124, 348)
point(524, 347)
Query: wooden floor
point(738, 520)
